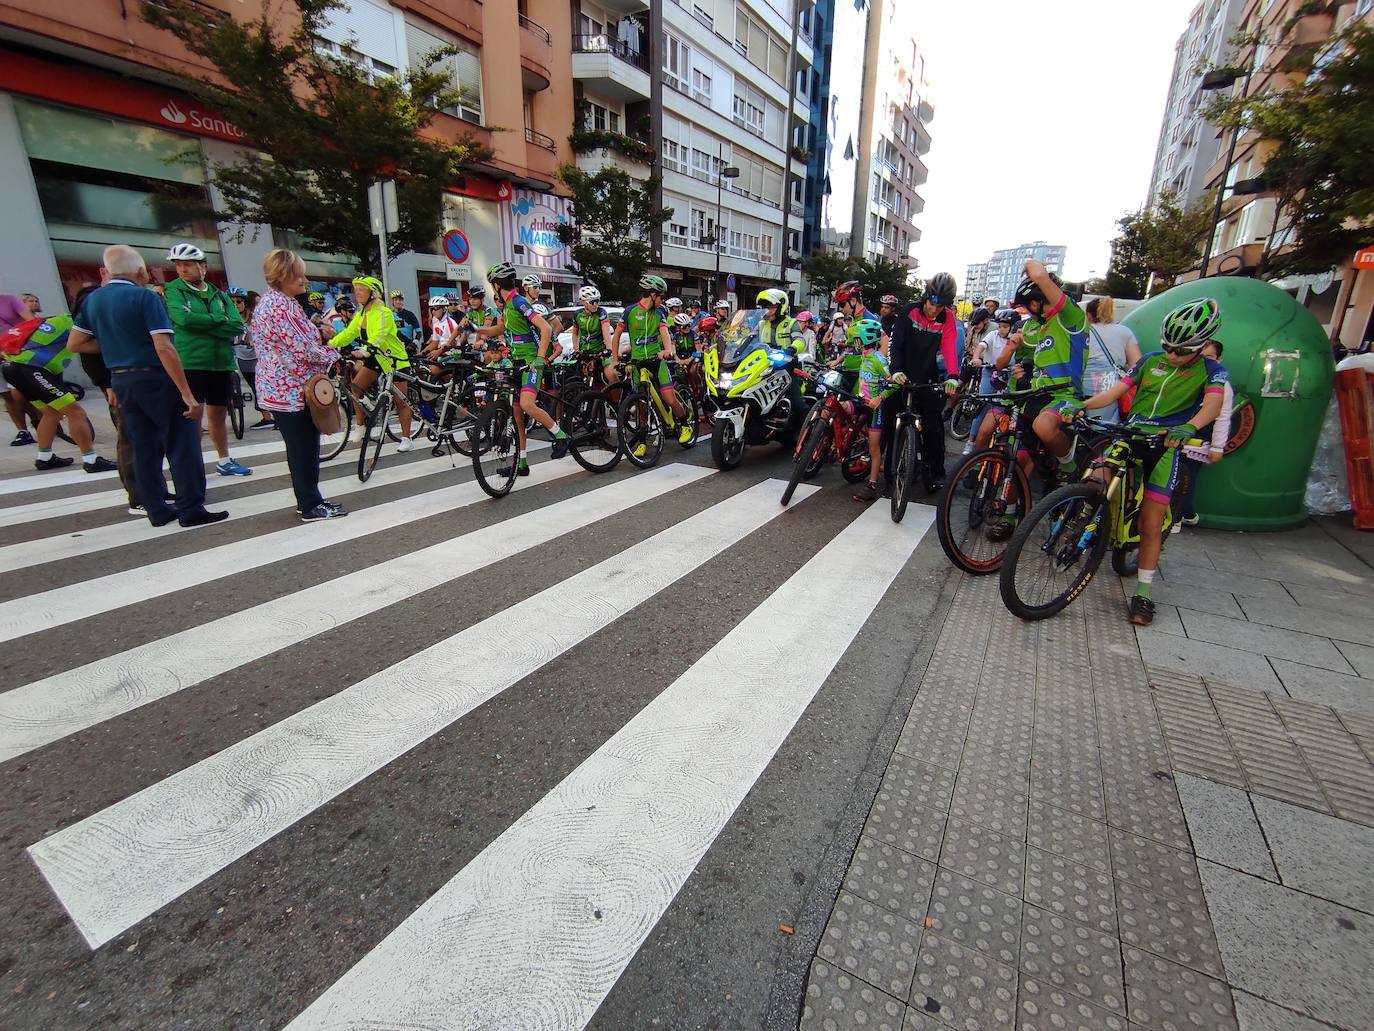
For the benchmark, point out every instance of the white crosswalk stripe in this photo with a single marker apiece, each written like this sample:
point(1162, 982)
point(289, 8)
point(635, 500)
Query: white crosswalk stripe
point(46, 481)
point(116, 535)
point(540, 918)
point(118, 866)
point(67, 604)
point(536, 930)
point(48, 710)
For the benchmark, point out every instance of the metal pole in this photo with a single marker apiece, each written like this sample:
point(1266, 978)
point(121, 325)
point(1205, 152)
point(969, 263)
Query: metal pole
point(386, 285)
point(720, 182)
point(1221, 188)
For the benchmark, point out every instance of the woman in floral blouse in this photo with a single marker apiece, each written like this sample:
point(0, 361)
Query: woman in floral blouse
point(290, 351)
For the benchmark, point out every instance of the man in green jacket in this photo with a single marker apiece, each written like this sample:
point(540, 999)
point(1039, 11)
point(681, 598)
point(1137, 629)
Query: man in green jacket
point(206, 324)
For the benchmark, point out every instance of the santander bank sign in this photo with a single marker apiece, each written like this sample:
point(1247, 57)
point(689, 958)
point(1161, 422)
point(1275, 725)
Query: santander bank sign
point(196, 120)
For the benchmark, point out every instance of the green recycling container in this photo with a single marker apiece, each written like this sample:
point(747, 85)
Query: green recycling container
point(1279, 360)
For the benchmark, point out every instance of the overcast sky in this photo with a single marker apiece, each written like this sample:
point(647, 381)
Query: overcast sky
point(1045, 129)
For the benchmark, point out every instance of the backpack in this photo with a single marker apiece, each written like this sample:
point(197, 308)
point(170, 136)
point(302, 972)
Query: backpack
point(14, 339)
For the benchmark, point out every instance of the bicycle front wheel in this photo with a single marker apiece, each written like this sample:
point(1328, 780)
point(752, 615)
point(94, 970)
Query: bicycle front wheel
point(236, 406)
point(640, 429)
point(904, 474)
point(591, 424)
point(333, 444)
point(961, 422)
point(984, 500)
point(371, 447)
point(495, 450)
point(809, 456)
point(1055, 553)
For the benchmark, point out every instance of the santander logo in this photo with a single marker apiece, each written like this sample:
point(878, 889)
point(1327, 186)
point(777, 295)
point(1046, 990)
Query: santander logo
point(172, 113)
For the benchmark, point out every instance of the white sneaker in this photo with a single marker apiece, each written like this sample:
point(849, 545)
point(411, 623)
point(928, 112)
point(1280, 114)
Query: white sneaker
point(405, 444)
point(1176, 528)
point(968, 449)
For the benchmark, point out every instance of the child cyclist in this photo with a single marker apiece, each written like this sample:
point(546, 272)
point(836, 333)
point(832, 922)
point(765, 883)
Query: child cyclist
point(646, 324)
point(1178, 391)
point(591, 328)
point(528, 333)
point(874, 388)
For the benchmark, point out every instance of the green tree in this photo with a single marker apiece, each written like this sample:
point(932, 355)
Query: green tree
point(613, 215)
point(319, 130)
point(1165, 240)
point(1320, 124)
point(827, 269)
point(884, 276)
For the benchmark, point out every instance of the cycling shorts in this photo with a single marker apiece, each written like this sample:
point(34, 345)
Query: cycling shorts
point(1057, 402)
point(875, 415)
point(658, 369)
point(211, 386)
point(45, 390)
point(532, 375)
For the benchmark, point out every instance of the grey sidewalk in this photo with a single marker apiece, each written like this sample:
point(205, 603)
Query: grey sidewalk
point(1082, 827)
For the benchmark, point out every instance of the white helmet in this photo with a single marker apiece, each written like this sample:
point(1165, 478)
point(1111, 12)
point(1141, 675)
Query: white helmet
point(682, 319)
point(722, 305)
point(673, 302)
point(439, 301)
point(185, 252)
point(531, 282)
point(589, 295)
point(540, 308)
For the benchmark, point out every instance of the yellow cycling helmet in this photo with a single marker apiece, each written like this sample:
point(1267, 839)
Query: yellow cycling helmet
point(373, 284)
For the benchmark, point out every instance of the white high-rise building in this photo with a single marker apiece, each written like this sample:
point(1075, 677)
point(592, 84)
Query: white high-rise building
point(1188, 143)
point(731, 92)
point(1000, 274)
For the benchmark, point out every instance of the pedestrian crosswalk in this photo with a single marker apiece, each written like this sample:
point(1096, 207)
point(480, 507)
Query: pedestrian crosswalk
point(539, 922)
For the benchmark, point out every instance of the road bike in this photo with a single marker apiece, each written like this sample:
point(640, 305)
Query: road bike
point(832, 432)
point(1054, 554)
point(590, 422)
point(643, 417)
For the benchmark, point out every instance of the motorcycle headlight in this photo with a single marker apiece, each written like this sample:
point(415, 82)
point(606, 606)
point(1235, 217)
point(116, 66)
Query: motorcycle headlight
point(725, 380)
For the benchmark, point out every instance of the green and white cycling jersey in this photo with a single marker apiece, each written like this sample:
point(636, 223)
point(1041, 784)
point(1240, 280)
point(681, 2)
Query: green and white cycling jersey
point(479, 317)
point(642, 325)
point(1170, 395)
point(520, 332)
point(1060, 343)
point(873, 370)
point(589, 325)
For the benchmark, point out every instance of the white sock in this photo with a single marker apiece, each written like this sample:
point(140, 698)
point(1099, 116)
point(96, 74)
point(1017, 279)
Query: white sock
point(556, 430)
point(523, 454)
point(88, 457)
point(44, 454)
point(1145, 576)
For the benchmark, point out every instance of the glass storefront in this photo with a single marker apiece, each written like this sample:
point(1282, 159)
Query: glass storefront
point(103, 180)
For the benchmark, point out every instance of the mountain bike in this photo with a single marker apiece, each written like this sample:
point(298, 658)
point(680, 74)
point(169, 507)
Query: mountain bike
point(643, 417)
point(906, 444)
point(988, 494)
point(1054, 554)
point(590, 423)
point(831, 432)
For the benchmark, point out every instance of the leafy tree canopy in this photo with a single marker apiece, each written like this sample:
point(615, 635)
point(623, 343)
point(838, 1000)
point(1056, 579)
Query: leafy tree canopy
point(828, 269)
point(320, 130)
point(1319, 120)
point(1166, 240)
point(613, 215)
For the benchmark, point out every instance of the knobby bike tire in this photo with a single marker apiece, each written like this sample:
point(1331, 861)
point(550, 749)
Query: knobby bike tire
point(957, 514)
point(962, 419)
point(370, 449)
point(595, 444)
point(854, 466)
point(494, 440)
point(816, 439)
point(1032, 531)
point(637, 422)
point(904, 473)
point(236, 407)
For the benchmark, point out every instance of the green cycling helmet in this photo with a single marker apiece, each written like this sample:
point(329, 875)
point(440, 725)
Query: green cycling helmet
point(868, 332)
point(653, 284)
point(1189, 326)
point(373, 284)
point(501, 272)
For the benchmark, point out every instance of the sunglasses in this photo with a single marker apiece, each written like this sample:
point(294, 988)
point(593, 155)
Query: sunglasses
point(1184, 348)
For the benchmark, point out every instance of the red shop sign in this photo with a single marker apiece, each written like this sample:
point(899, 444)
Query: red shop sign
point(92, 90)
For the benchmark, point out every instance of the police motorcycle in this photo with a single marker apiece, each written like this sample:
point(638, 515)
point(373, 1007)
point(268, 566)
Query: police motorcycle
point(753, 394)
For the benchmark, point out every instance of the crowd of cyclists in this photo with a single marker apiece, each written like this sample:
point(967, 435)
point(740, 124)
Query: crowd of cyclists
point(1041, 341)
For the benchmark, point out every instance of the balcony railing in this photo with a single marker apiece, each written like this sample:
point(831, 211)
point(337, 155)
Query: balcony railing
point(540, 140)
point(601, 43)
point(536, 28)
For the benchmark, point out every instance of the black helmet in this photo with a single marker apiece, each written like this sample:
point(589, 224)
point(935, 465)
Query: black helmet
point(942, 289)
point(1029, 291)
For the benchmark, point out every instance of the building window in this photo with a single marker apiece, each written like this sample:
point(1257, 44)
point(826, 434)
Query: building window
point(701, 86)
point(764, 49)
point(677, 234)
point(703, 228)
point(748, 109)
point(670, 155)
point(602, 119)
point(677, 63)
point(464, 69)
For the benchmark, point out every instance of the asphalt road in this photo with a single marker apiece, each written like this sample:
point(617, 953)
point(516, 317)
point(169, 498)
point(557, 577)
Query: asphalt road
point(574, 758)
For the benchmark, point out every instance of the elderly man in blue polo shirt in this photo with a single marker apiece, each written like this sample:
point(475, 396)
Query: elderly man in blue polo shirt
point(127, 324)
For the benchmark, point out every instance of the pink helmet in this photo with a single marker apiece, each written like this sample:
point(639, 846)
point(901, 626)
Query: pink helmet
point(804, 316)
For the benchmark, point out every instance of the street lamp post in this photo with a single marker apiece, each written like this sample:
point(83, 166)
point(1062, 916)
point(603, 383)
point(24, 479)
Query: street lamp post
point(1222, 78)
point(726, 172)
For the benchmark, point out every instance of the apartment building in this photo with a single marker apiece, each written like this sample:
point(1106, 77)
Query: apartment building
point(1188, 143)
point(93, 129)
point(611, 52)
point(869, 131)
point(730, 109)
point(1000, 275)
point(1341, 300)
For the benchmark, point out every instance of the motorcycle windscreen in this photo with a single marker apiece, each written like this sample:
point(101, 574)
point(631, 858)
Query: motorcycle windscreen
point(742, 335)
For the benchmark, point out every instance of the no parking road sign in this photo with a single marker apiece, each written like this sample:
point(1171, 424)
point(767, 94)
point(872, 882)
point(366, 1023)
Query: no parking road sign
point(456, 246)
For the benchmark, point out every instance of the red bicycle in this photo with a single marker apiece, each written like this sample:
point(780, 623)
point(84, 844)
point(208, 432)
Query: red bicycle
point(831, 432)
